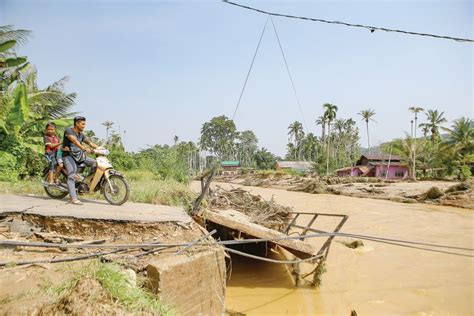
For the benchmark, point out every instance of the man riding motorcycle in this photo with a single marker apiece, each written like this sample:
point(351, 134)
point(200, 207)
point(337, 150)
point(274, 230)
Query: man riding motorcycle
point(73, 154)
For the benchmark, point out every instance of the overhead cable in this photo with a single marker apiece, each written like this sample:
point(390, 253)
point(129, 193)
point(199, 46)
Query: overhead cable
point(368, 27)
point(288, 71)
point(250, 69)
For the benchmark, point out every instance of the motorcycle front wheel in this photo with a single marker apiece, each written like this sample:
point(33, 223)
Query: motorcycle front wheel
point(118, 191)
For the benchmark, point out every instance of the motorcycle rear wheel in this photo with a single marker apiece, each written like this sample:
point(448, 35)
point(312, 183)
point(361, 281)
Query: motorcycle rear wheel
point(54, 192)
point(121, 190)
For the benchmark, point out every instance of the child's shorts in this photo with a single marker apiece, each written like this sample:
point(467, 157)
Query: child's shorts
point(59, 158)
point(52, 161)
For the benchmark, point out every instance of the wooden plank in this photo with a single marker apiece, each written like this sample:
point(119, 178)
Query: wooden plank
point(241, 222)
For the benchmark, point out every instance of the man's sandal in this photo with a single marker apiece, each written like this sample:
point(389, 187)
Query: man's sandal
point(76, 202)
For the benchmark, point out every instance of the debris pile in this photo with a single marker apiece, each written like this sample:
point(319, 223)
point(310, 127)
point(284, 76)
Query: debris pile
point(432, 193)
point(312, 186)
point(266, 213)
point(458, 195)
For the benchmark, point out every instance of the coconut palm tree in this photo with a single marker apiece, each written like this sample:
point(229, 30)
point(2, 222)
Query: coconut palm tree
point(415, 110)
point(321, 120)
point(108, 125)
point(461, 136)
point(330, 111)
point(366, 117)
point(425, 130)
point(296, 134)
point(435, 119)
point(309, 147)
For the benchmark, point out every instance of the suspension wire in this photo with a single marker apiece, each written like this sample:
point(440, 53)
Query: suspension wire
point(250, 68)
point(368, 27)
point(288, 71)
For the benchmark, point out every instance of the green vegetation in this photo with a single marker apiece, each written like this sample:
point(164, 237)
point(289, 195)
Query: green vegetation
point(149, 188)
point(25, 109)
point(435, 155)
point(337, 147)
point(118, 288)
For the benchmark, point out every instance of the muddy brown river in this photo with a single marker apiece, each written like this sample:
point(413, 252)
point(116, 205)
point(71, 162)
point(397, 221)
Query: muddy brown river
point(377, 279)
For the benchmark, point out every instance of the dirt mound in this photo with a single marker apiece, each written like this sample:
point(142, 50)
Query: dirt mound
point(265, 213)
point(87, 297)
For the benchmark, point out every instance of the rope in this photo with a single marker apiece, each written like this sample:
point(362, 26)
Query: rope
point(368, 27)
point(288, 71)
point(250, 69)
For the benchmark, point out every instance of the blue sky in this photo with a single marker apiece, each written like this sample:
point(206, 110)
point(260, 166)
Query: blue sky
point(162, 68)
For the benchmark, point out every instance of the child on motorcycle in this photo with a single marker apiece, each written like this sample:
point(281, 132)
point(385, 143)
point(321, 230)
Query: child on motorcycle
point(52, 144)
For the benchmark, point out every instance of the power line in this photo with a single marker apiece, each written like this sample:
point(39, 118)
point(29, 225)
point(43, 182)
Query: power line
point(250, 68)
point(288, 70)
point(368, 27)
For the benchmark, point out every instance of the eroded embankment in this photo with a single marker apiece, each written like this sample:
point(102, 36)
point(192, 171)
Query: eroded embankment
point(124, 280)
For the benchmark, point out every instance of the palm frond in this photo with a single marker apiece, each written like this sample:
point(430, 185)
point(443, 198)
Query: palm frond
point(7, 33)
point(53, 103)
point(58, 85)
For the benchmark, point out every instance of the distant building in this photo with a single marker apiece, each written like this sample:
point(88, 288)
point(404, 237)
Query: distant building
point(230, 167)
point(380, 166)
point(301, 166)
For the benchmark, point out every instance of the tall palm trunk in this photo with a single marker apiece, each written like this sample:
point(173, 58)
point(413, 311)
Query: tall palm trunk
point(368, 138)
point(328, 148)
point(414, 148)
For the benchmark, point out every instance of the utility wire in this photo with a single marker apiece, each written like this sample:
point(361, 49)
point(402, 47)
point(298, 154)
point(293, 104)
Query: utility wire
point(395, 242)
point(368, 27)
point(244, 254)
point(250, 68)
point(288, 70)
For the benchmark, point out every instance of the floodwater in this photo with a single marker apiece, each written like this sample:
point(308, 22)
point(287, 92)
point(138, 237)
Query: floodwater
point(377, 279)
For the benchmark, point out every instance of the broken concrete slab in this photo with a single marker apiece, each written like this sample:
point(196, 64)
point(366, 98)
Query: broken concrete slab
point(236, 220)
point(193, 285)
point(91, 209)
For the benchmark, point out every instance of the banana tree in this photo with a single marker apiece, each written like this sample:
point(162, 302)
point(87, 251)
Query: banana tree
point(11, 65)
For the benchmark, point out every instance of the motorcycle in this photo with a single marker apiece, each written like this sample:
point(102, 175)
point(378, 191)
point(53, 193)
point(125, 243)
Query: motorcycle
point(111, 183)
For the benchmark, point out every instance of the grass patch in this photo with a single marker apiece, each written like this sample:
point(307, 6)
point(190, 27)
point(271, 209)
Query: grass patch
point(146, 188)
point(22, 187)
point(115, 284)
